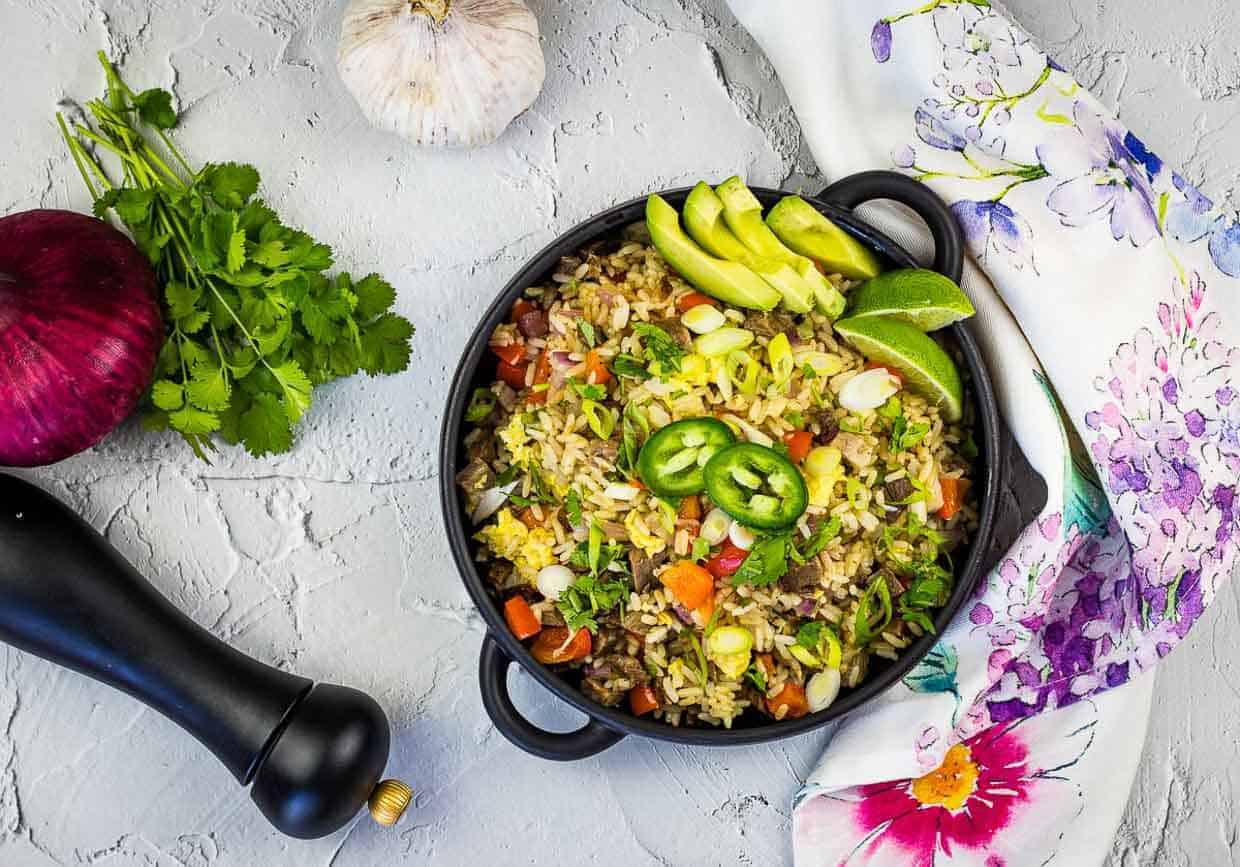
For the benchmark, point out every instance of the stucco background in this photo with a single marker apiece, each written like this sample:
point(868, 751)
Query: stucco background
point(330, 562)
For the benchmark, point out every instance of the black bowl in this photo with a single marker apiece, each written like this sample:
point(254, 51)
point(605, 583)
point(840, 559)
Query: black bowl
point(606, 726)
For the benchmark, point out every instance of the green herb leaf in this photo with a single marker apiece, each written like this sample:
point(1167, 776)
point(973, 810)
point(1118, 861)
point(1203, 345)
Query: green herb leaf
point(586, 598)
point(873, 611)
point(629, 366)
point(660, 347)
point(757, 677)
point(767, 562)
point(905, 436)
point(810, 634)
point(572, 508)
point(155, 108)
point(589, 391)
point(701, 550)
point(821, 537)
point(587, 331)
point(481, 405)
point(253, 322)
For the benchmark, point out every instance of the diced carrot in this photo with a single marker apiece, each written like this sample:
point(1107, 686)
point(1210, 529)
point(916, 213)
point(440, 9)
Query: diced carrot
point(953, 496)
point(553, 646)
point(874, 365)
point(522, 307)
point(596, 372)
point(685, 303)
point(528, 518)
point(521, 618)
point(510, 353)
point(726, 561)
point(642, 700)
point(707, 609)
point(767, 664)
point(637, 483)
point(690, 508)
point(791, 697)
point(799, 443)
point(542, 373)
point(513, 374)
point(690, 583)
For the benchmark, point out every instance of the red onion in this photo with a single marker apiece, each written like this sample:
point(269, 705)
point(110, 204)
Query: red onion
point(806, 607)
point(562, 359)
point(79, 334)
point(683, 613)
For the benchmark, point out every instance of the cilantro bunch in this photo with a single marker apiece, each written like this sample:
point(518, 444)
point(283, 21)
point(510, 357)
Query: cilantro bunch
point(254, 323)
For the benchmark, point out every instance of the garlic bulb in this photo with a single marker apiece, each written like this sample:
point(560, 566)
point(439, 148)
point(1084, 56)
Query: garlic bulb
point(448, 73)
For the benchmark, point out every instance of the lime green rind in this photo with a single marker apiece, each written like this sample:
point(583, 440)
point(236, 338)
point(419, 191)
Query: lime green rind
point(925, 366)
point(925, 299)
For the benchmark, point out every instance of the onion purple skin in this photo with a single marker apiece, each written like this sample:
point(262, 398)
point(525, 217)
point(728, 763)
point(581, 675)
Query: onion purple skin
point(80, 332)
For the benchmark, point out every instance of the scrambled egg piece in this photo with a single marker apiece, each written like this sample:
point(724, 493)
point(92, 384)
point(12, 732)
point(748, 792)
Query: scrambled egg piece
point(649, 543)
point(529, 550)
point(515, 439)
point(821, 487)
point(695, 370)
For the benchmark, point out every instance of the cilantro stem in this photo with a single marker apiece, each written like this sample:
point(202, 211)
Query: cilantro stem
point(75, 151)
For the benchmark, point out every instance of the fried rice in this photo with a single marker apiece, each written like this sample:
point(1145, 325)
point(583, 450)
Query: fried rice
point(541, 477)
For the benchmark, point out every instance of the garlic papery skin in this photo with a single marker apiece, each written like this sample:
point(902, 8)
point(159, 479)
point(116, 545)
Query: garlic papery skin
point(444, 73)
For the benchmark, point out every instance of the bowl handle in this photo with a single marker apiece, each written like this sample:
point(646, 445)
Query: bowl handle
point(857, 189)
point(588, 740)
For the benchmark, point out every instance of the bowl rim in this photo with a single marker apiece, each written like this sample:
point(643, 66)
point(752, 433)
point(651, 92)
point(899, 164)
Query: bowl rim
point(536, 270)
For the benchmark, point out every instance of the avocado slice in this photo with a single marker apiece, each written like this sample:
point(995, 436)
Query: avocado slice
point(800, 226)
point(730, 282)
point(827, 298)
point(705, 221)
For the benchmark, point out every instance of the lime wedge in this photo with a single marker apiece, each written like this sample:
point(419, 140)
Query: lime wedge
point(923, 364)
point(925, 299)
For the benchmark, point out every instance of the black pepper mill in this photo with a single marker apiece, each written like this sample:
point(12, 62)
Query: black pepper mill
point(314, 752)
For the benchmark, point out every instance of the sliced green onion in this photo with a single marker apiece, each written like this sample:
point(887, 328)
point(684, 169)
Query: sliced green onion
point(600, 419)
point(723, 341)
point(779, 354)
point(703, 319)
point(869, 623)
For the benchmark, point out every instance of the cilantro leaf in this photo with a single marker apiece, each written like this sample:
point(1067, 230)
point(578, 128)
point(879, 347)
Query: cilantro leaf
point(767, 563)
point(905, 436)
point(660, 347)
point(630, 366)
point(155, 107)
point(375, 296)
point(231, 184)
point(810, 634)
point(572, 508)
point(587, 331)
point(254, 323)
point(265, 428)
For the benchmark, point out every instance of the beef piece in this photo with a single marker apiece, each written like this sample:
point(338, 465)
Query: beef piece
point(898, 491)
point(507, 399)
point(621, 665)
point(828, 428)
point(477, 476)
point(856, 450)
point(533, 324)
point(633, 623)
point(643, 567)
point(552, 617)
point(799, 579)
point(769, 324)
point(676, 330)
point(598, 690)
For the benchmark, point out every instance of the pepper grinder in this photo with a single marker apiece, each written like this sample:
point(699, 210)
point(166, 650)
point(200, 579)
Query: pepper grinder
point(314, 752)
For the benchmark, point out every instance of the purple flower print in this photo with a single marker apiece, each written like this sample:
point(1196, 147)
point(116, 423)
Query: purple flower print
point(937, 134)
point(1100, 178)
point(992, 228)
point(1194, 218)
point(880, 41)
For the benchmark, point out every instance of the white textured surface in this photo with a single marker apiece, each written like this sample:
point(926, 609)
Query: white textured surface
point(330, 561)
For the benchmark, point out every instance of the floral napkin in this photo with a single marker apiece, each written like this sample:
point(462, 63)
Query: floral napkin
point(1108, 310)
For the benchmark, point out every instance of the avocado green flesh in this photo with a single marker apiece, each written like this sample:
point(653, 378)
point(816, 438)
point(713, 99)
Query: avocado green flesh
point(742, 212)
point(804, 230)
point(704, 220)
point(730, 282)
point(827, 298)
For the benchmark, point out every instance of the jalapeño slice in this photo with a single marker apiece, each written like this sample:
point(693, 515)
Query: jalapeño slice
point(757, 486)
point(671, 461)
